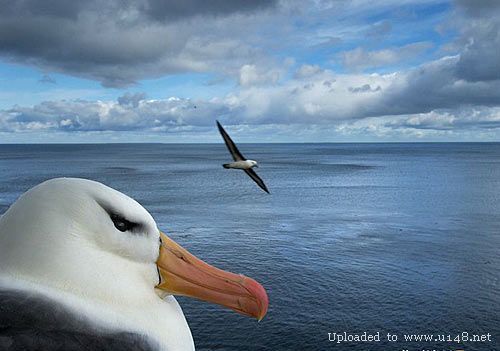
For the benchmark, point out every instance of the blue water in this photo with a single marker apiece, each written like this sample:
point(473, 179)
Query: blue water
point(399, 238)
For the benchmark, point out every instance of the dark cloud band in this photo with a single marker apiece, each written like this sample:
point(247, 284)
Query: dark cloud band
point(117, 42)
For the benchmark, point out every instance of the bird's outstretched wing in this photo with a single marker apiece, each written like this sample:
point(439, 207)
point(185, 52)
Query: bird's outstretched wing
point(256, 179)
point(237, 156)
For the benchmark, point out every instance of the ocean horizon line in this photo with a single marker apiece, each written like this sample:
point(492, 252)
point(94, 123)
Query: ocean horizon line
point(262, 143)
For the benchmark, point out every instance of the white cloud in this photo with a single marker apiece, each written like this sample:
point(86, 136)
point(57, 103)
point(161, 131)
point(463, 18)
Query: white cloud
point(252, 75)
point(305, 71)
point(428, 98)
point(456, 124)
point(360, 59)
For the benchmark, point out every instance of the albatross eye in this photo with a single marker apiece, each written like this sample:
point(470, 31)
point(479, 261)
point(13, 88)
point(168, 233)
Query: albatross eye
point(121, 223)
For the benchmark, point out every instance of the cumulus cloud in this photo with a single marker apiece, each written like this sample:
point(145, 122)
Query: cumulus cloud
point(305, 71)
point(131, 99)
point(437, 85)
point(365, 88)
point(120, 42)
point(252, 75)
point(360, 59)
point(471, 123)
point(130, 112)
point(319, 97)
point(480, 31)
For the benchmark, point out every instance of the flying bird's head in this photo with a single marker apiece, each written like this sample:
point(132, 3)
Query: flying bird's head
point(254, 163)
point(87, 239)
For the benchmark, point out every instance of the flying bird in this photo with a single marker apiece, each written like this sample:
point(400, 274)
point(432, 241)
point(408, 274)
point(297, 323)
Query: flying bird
point(240, 162)
point(85, 267)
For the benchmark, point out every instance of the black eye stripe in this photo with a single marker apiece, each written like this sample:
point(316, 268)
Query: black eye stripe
point(121, 223)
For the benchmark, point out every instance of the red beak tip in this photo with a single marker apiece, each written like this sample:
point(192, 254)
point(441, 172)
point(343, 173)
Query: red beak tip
point(260, 295)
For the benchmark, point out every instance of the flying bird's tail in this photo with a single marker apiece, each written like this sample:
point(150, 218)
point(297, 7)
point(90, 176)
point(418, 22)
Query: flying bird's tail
point(226, 165)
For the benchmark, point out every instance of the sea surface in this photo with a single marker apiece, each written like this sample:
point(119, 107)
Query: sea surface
point(389, 238)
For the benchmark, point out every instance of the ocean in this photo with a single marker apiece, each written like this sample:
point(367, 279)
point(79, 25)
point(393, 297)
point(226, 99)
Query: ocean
point(395, 238)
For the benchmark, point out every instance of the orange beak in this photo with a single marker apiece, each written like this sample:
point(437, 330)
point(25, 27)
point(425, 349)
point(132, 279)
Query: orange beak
point(182, 273)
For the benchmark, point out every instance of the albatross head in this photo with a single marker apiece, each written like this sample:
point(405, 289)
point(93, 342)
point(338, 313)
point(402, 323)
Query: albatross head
point(102, 251)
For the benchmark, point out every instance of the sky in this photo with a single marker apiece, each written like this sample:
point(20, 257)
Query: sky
point(269, 71)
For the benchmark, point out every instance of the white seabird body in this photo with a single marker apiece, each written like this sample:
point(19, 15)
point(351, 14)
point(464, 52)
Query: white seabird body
point(95, 251)
point(246, 164)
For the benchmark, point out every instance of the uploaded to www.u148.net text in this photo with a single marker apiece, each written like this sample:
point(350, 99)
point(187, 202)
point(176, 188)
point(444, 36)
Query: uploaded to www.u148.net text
point(456, 341)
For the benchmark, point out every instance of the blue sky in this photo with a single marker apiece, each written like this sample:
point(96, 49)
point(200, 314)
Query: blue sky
point(270, 71)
